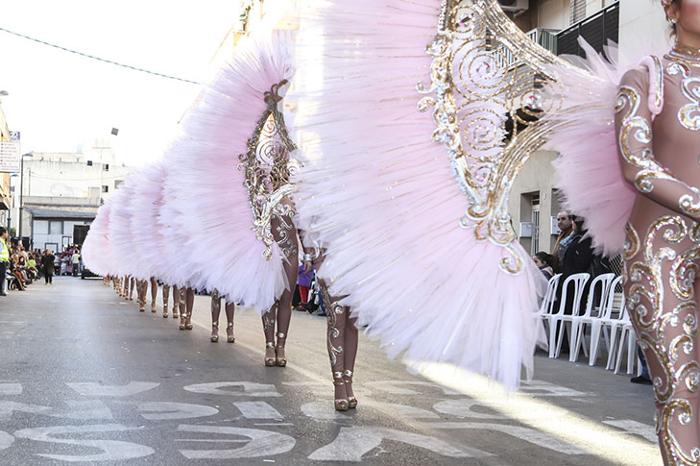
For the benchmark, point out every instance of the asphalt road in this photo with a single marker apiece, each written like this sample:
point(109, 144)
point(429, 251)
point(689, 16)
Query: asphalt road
point(85, 377)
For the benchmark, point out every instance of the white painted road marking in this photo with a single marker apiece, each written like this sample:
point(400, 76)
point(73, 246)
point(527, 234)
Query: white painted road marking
point(112, 450)
point(352, 443)
point(252, 389)
point(257, 410)
point(10, 388)
point(262, 443)
point(161, 410)
point(117, 391)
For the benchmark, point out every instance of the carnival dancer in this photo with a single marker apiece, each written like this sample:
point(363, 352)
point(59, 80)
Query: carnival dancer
point(216, 312)
point(392, 192)
point(154, 295)
point(246, 265)
point(646, 204)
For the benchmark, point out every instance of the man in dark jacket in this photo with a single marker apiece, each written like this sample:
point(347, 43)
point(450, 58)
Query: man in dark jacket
point(578, 258)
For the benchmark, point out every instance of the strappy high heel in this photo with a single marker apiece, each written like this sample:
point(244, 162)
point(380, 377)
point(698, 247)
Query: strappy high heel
point(188, 322)
point(270, 354)
point(352, 401)
point(341, 404)
point(165, 311)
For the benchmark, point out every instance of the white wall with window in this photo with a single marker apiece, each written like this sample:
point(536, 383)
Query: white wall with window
point(54, 234)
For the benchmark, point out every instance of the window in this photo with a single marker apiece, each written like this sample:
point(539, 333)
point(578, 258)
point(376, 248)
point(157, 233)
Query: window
point(117, 183)
point(105, 188)
point(578, 11)
point(89, 163)
point(41, 227)
point(597, 29)
point(55, 227)
point(105, 167)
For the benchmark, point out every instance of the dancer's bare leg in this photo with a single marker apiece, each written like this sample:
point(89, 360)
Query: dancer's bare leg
point(230, 309)
point(132, 285)
point(176, 302)
point(335, 341)
point(351, 344)
point(166, 298)
point(285, 234)
point(189, 304)
point(154, 294)
point(666, 329)
point(215, 313)
point(182, 299)
point(269, 320)
point(141, 290)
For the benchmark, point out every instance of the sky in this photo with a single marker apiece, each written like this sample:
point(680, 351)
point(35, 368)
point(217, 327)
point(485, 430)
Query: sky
point(60, 101)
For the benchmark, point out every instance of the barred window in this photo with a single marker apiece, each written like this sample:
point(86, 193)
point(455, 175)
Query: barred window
point(578, 11)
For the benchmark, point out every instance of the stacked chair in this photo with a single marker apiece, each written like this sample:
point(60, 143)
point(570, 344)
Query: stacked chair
point(597, 310)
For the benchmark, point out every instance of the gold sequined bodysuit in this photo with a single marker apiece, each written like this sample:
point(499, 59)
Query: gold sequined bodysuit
point(661, 159)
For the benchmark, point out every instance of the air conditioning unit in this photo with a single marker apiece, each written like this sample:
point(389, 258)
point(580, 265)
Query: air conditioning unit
point(514, 6)
point(526, 229)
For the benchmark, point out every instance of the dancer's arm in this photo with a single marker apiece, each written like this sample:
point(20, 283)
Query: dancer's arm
point(633, 123)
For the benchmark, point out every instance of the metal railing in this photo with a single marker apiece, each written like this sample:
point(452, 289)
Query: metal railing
point(547, 38)
point(597, 29)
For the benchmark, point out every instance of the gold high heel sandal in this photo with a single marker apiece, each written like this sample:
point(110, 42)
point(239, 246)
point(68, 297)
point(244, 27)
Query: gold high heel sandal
point(188, 322)
point(214, 332)
point(352, 401)
point(229, 333)
point(341, 404)
point(270, 354)
point(165, 311)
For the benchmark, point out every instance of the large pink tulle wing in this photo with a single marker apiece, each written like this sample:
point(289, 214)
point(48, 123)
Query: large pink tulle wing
point(96, 251)
point(207, 210)
point(147, 237)
point(588, 170)
point(379, 194)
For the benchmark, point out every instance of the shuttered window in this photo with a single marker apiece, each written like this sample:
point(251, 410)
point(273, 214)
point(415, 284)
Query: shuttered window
point(598, 30)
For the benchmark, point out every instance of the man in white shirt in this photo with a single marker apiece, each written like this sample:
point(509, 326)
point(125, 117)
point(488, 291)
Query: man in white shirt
point(76, 262)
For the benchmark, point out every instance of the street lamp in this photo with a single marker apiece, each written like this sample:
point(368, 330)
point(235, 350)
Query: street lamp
point(21, 190)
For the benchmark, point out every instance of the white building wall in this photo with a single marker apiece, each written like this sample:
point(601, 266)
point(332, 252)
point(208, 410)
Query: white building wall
point(71, 175)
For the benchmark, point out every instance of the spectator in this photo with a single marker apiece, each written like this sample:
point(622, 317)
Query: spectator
point(76, 261)
point(16, 269)
point(48, 261)
point(4, 260)
point(578, 252)
point(566, 226)
point(578, 258)
point(545, 262)
point(306, 273)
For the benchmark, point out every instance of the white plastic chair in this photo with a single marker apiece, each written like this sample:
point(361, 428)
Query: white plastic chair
point(578, 281)
point(605, 321)
point(627, 330)
point(550, 297)
point(617, 321)
point(595, 305)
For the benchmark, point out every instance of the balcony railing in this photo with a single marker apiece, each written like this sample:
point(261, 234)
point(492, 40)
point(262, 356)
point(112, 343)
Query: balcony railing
point(547, 38)
point(597, 29)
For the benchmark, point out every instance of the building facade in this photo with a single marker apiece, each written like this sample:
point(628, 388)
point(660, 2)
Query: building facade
point(61, 192)
point(534, 201)
point(5, 195)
